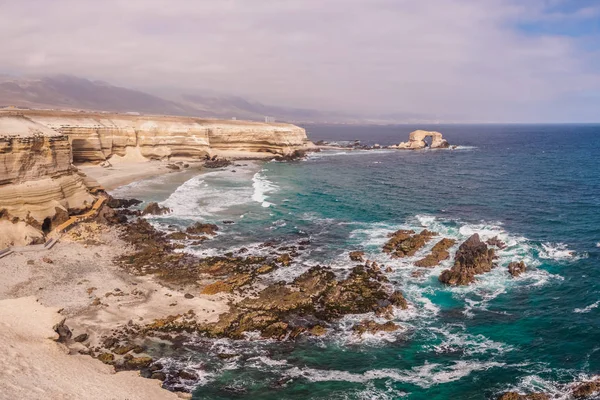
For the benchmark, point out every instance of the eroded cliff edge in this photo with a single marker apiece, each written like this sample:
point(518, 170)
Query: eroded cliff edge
point(96, 137)
point(39, 187)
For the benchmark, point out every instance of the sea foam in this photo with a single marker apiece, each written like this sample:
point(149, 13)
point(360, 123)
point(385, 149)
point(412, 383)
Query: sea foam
point(262, 188)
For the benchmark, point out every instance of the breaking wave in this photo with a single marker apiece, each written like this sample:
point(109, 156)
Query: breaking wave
point(262, 188)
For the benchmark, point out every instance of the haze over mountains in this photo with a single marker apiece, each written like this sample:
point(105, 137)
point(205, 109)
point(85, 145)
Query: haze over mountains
point(70, 92)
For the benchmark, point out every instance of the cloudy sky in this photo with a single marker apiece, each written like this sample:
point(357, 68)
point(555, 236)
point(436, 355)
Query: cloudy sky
point(489, 60)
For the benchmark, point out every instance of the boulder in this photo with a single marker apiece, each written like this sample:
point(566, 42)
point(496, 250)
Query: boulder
point(495, 241)
point(154, 209)
point(439, 253)
point(372, 327)
point(587, 389)
point(405, 243)
point(472, 258)
point(64, 333)
point(202, 229)
point(516, 268)
point(357, 256)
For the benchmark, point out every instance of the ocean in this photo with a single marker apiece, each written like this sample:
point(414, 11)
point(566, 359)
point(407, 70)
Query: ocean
point(536, 187)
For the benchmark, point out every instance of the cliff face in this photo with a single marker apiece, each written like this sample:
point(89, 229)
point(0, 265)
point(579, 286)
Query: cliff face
point(96, 137)
point(38, 185)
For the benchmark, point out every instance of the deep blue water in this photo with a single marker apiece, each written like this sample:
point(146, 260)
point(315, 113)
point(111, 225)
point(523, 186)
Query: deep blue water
point(537, 187)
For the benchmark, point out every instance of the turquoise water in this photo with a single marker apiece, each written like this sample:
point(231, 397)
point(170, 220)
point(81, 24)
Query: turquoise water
point(537, 187)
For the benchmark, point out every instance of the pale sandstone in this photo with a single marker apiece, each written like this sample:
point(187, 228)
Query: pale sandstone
point(416, 140)
point(96, 137)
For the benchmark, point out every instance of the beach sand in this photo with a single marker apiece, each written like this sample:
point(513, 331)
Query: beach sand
point(95, 296)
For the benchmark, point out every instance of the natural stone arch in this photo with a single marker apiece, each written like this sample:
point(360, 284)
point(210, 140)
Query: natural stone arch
point(416, 140)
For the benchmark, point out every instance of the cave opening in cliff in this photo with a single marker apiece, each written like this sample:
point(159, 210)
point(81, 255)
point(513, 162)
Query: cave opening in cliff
point(428, 140)
point(47, 225)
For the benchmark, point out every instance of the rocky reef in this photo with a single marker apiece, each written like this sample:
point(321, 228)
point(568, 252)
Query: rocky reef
point(39, 187)
point(96, 137)
point(472, 258)
point(417, 141)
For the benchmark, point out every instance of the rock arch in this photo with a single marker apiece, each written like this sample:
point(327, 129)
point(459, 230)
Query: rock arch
point(416, 140)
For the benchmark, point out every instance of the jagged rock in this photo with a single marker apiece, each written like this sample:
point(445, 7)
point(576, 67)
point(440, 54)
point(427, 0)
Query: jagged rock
point(439, 253)
point(183, 374)
point(154, 209)
point(122, 203)
point(205, 229)
point(495, 241)
point(173, 167)
point(519, 396)
point(472, 258)
point(107, 358)
point(188, 296)
point(372, 327)
point(81, 338)
point(295, 155)
point(357, 256)
point(64, 333)
point(516, 268)
point(136, 363)
point(587, 389)
point(217, 163)
point(161, 376)
point(122, 350)
point(405, 243)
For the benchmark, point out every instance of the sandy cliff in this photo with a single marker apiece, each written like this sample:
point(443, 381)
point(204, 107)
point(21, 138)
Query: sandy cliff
point(96, 137)
point(38, 185)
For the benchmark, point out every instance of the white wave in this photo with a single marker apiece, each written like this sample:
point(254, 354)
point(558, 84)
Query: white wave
point(456, 339)
point(336, 153)
point(262, 188)
point(598, 244)
point(557, 251)
point(425, 376)
point(205, 195)
point(588, 308)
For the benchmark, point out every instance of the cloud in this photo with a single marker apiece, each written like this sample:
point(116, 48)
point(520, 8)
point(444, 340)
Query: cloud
point(463, 58)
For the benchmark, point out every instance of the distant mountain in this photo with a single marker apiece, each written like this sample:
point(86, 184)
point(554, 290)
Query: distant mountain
point(69, 92)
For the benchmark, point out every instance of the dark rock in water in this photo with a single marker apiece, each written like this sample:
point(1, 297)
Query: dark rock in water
point(80, 338)
point(136, 363)
point(295, 155)
point(305, 242)
point(519, 396)
point(516, 268)
point(228, 222)
point(472, 258)
point(154, 209)
point(405, 243)
point(439, 253)
point(372, 327)
point(161, 376)
point(122, 203)
point(587, 389)
point(217, 163)
point(357, 256)
point(495, 241)
point(110, 342)
point(106, 358)
point(183, 374)
point(64, 333)
point(200, 228)
point(177, 236)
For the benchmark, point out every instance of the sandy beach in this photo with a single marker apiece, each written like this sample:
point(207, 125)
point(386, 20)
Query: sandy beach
point(78, 280)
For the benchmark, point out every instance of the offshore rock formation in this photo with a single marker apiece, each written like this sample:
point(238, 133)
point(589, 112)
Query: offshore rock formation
point(416, 141)
point(96, 137)
point(39, 187)
point(472, 258)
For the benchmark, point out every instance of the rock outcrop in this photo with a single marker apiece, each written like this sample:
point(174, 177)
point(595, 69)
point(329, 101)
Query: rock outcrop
point(416, 141)
point(516, 268)
point(96, 137)
point(39, 187)
point(405, 243)
point(472, 258)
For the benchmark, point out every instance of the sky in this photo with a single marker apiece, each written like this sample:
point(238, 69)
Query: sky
point(471, 60)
